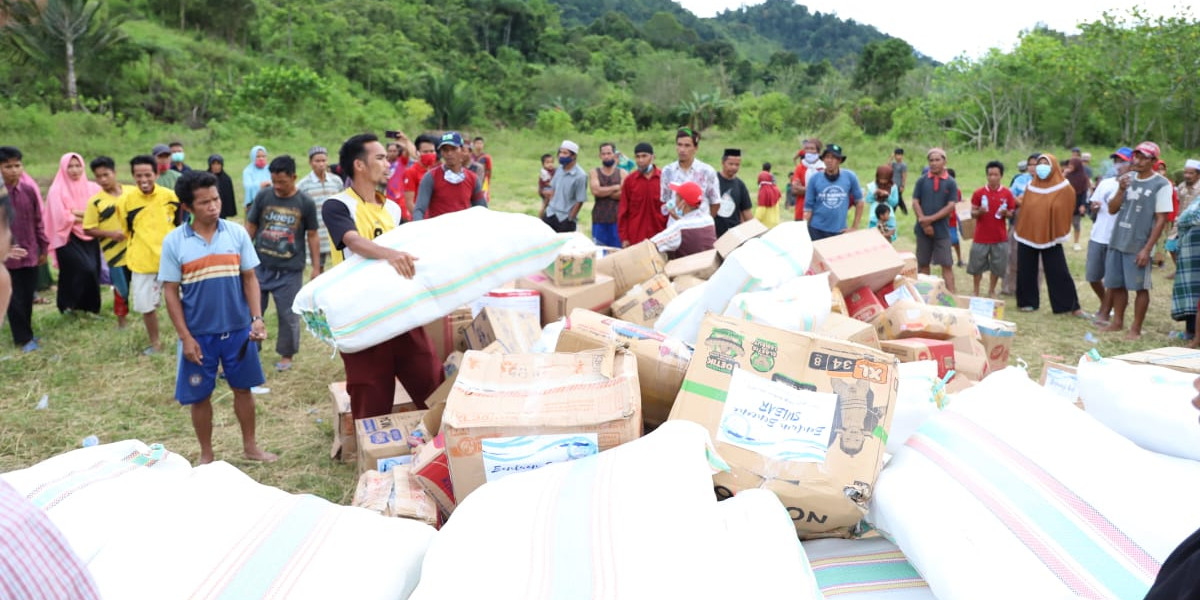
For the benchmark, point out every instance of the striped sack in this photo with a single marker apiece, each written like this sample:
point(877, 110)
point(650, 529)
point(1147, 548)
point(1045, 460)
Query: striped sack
point(864, 570)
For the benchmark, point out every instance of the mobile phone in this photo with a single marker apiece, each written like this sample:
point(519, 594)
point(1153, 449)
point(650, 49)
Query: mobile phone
point(391, 135)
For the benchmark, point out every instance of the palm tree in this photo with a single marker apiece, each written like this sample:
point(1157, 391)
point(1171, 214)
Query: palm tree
point(55, 33)
point(452, 101)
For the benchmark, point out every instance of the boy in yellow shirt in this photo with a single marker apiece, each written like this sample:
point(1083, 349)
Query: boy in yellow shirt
point(148, 213)
point(101, 220)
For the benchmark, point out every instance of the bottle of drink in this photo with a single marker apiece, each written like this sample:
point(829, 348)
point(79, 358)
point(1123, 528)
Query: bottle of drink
point(983, 204)
point(1003, 207)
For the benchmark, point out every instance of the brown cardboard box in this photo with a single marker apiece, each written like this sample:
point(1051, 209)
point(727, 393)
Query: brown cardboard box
point(933, 291)
point(570, 405)
point(992, 308)
point(644, 304)
point(838, 302)
point(997, 337)
point(914, 349)
point(857, 387)
point(1172, 357)
point(902, 288)
point(856, 259)
point(381, 438)
point(449, 333)
point(841, 327)
point(558, 302)
point(966, 224)
point(1062, 380)
point(431, 467)
point(972, 362)
point(572, 269)
point(661, 360)
point(906, 319)
point(863, 305)
point(345, 441)
point(685, 283)
point(632, 266)
point(701, 265)
point(739, 235)
point(910, 265)
point(516, 331)
point(522, 300)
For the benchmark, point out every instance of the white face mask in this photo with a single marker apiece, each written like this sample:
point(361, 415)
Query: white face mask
point(455, 178)
point(810, 157)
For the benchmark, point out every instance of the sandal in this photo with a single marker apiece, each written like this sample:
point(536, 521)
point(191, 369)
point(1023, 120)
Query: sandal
point(1027, 309)
point(282, 366)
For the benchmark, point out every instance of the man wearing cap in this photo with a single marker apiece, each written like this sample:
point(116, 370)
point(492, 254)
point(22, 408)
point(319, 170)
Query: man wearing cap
point(1141, 206)
point(605, 183)
point(736, 205)
point(829, 195)
point(568, 190)
point(448, 187)
point(691, 229)
point(640, 214)
point(319, 185)
point(162, 158)
point(689, 168)
point(1102, 230)
point(934, 196)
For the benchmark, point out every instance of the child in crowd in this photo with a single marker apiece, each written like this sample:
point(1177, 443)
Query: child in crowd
point(954, 231)
point(545, 175)
point(767, 211)
point(991, 207)
point(883, 220)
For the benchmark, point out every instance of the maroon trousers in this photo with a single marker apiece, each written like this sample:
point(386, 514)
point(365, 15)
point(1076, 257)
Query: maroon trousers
point(371, 374)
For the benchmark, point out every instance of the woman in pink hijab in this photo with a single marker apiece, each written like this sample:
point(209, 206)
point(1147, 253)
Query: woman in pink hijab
point(78, 254)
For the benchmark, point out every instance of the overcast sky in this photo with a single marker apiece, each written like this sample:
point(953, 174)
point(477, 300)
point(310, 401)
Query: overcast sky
point(970, 27)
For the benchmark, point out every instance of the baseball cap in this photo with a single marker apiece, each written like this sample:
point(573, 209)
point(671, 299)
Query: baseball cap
point(570, 146)
point(1148, 148)
point(315, 150)
point(160, 149)
point(1123, 153)
point(689, 192)
point(835, 150)
point(451, 138)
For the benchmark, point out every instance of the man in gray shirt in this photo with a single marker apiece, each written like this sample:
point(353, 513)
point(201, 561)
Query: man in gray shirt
point(568, 190)
point(1141, 204)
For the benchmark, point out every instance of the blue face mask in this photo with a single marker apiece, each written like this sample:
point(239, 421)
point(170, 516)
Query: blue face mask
point(566, 160)
point(1043, 171)
point(177, 157)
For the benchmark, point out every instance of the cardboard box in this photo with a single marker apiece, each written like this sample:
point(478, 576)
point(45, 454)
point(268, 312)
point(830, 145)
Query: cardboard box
point(558, 302)
point(701, 265)
point(841, 327)
point(345, 440)
point(395, 493)
point(385, 437)
point(1172, 357)
point(966, 224)
point(837, 302)
point(560, 406)
point(906, 319)
point(901, 289)
point(516, 331)
point(997, 337)
point(752, 387)
point(992, 308)
point(644, 304)
point(632, 266)
point(449, 333)
point(932, 290)
point(739, 235)
point(971, 362)
point(914, 349)
point(909, 269)
point(864, 305)
point(431, 466)
point(685, 282)
point(661, 361)
point(573, 268)
point(522, 300)
point(856, 259)
point(1062, 380)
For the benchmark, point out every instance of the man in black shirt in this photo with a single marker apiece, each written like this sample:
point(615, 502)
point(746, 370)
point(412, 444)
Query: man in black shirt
point(735, 206)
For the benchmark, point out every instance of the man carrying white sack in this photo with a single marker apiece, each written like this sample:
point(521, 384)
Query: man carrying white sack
point(354, 218)
point(690, 230)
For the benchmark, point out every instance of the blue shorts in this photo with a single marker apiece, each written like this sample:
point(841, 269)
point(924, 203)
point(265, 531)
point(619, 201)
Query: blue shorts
point(954, 236)
point(233, 351)
point(606, 234)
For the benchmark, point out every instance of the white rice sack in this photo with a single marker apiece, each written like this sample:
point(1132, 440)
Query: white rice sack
point(801, 304)
point(781, 255)
point(920, 396)
point(637, 521)
point(1012, 493)
point(222, 535)
point(94, 494)
point(1152, 406)
point(461, 256)
point(866, 569)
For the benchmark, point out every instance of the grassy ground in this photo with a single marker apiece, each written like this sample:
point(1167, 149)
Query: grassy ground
point(97, 382)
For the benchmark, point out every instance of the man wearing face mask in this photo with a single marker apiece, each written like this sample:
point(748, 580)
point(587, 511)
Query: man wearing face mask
point(830, 194)
point(448, 187)
point(810, 164)
point(691, 229)
point(177, 157)
point(166, 177)
point(427, 157)
point(640, 215)
point(568, 190)
point(605, 183)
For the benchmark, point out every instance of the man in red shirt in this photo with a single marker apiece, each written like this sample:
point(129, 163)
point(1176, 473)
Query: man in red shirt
point(639, 214)
point(450, 186)
point(426, 158)
point(991, 207)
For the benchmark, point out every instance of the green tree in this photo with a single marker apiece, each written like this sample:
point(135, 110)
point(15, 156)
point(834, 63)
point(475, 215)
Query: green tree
point(452, 101)
point(54, 34)
point(882, 65)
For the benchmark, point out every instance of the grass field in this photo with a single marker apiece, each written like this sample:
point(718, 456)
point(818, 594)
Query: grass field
point(98, 383)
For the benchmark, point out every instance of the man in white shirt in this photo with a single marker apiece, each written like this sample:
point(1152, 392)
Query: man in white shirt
point(689, 168)
point(1097, 251)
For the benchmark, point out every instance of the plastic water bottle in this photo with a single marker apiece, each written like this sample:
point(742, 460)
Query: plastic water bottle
point(90, 441)
point(1003, 207)
point(984, 204)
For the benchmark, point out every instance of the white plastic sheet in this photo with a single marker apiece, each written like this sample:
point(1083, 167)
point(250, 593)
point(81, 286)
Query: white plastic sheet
point(1152, 406)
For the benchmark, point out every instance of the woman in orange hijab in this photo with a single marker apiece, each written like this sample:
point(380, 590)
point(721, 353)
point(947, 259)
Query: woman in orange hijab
point(1047, 209)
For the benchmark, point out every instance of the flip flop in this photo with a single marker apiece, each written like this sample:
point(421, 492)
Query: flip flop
point(281, 367)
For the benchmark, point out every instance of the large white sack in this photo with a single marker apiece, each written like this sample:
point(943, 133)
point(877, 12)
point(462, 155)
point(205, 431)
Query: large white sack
point(1012, 493)
point(781, 255)
point(801, 304)
point(222, 535)
point(1152, 406)
point(920, 395)
point(94, 494)
point(866, 569)
point(461, 256)
point(637, 521)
